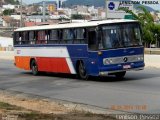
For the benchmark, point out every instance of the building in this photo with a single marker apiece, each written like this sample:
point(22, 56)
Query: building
point(32, 9)
point(6, 42)
point(36, 18)
point(9, 6)
point(1, 3)
point(8, 21)
point(16, 17)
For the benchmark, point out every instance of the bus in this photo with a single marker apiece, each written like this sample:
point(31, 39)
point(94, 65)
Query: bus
point(93, 48)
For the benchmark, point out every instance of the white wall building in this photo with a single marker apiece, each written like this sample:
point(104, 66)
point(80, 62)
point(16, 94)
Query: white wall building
point(9, 6)
point(6, 42)
point(16, 17)
point(67, 11)
point(36, 18)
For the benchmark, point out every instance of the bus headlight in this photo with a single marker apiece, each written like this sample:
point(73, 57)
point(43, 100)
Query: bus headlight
point(140, 58)
point(107, 61)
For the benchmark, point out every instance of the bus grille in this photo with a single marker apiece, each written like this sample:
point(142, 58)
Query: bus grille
point(124, 59)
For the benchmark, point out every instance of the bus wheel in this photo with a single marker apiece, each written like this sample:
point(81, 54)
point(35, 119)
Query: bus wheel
point(120, 75)
point(34, 67)
point(82, 71)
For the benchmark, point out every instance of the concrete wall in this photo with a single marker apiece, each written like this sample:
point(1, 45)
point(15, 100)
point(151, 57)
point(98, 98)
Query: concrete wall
point(6, 44)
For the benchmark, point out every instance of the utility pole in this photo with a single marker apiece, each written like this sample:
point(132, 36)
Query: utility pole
point(106, 9)
point(21, 13)
point(44, 11)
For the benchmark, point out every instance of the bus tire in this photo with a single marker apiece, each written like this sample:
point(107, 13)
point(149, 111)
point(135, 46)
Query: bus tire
point(120, 75)
point(82, 71)
point(34, 67)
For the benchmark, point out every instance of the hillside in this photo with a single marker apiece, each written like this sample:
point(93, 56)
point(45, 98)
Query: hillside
point(96, 3)
point(11, 2)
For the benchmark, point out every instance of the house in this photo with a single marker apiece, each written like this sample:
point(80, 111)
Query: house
point(9, 6)
point(10, 22)
point(36, 18)
point(32, 9)
point(1, 3)
point(7, 21)
point(16, 17)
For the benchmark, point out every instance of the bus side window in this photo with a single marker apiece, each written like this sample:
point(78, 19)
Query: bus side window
point(14, 38)
point(53, 36)
point(100, 40)
point(41, 37)
point(32, 37)
point(92, 37)
point(80, 36)
point(17, 38)
point(45, 41)
point(25, 37)
point(67, 36)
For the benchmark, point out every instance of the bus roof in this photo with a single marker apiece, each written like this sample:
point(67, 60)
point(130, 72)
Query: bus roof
point(74, 25)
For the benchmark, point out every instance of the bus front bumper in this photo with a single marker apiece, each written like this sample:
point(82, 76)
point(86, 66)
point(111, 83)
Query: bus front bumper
point(116, 71)
point(110, 70)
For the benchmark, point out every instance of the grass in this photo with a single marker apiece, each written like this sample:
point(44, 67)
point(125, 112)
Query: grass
point(7, 106)
point(21, 114)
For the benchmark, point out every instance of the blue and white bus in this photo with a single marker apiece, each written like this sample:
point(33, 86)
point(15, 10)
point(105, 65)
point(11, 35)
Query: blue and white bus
point(95, 48)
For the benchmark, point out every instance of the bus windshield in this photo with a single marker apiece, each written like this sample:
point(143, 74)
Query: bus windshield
point(120, 35)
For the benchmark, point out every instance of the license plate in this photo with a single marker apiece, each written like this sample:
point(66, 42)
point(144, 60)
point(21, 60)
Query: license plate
point(126, 67)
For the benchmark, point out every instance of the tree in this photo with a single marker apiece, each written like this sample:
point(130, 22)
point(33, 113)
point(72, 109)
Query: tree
point(77, 16)
point(156, 30)
point(147, 23)
point(12, 2)
point(8, 12)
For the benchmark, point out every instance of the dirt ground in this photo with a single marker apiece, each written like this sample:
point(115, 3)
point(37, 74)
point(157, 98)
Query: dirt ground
point(18, 107)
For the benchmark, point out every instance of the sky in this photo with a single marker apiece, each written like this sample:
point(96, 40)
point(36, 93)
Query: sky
point(156, 7)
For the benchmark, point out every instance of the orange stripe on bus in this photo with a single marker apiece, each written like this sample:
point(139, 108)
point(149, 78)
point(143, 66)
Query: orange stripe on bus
point(23, 62)
point(57, 65)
